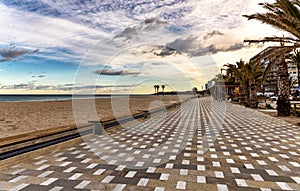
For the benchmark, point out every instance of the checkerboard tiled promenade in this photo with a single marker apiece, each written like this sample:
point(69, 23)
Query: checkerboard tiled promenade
point(249, 152)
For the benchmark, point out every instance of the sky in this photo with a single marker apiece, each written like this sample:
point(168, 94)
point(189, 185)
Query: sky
point(122, 46)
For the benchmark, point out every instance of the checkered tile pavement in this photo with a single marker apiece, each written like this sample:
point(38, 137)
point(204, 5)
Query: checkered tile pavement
point(191, 148)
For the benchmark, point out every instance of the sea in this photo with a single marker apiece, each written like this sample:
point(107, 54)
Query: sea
point(51, 97)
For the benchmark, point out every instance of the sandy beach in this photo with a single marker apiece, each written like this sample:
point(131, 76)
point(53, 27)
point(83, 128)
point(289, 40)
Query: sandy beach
point(23, 117)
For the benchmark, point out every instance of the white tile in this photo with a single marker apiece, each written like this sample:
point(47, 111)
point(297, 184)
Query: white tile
point(99, 172)
point(120, 168)
point(65, 164)
point(254, 154)
point(296, 179)
point(49, 181)
point(222, 187)
point(284, 156)
point(235, 170)
point(75, 176)
point(249, 166)
point(56, 188)
point(241, 182)
point(271, 172)
point(92, 165)
point(284, 186)
point(40, 162)
point(119, 187)
point(184, 172)
point(181, 185)
point(143, 182)
point(151, 170)
point(18, 171)
point(295, 164)
point(230, 161)
point(82, 184)
point(257, 177)
point(19, 187)
point(130, 174)
point(61, 159)
point(201, 179)
point(42, 167)
point(164, 176)
point(216, 164)
point(201, 167)
point(219, 174)
point(169, 165)
point(18, 178)
point(108, 179)
point(44, 174)
point(159, 189)
point(70, 169)
point(284, 168)
point(86, 160)
point(273, 159)
point(261, 162)
point(186, 162)
point(266, 189)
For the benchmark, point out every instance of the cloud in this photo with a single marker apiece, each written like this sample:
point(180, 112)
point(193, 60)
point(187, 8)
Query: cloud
point(39, 76)
point(65, 87)
point(13, 53)
point(212, 34)
point(234, 47)
point(145, 26)
point(156, 50)
point(193, 46)
point(187, 45)
point(112, 72)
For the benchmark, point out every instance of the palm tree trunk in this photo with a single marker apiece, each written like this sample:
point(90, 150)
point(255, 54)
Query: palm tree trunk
point(298, 75)
point(253, 95)
point(244, 100)
point(283, 103)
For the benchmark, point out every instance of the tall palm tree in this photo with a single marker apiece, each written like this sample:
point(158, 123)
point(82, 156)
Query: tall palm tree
point(295, 57)
point(254, 73)
point(157, 86)
point(284, 15)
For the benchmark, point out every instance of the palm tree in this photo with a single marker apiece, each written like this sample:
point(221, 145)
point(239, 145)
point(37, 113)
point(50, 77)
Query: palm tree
point(254, 73)
point(296, 60)
point(239, 75)
point(195, 90)
point(284, 15)
point(249, 76)
point(163, 88)
point(157, 86)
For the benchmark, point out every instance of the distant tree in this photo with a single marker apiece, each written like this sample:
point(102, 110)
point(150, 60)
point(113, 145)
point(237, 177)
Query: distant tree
point(157, 86)
point(195, 91)
point(163, 88)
